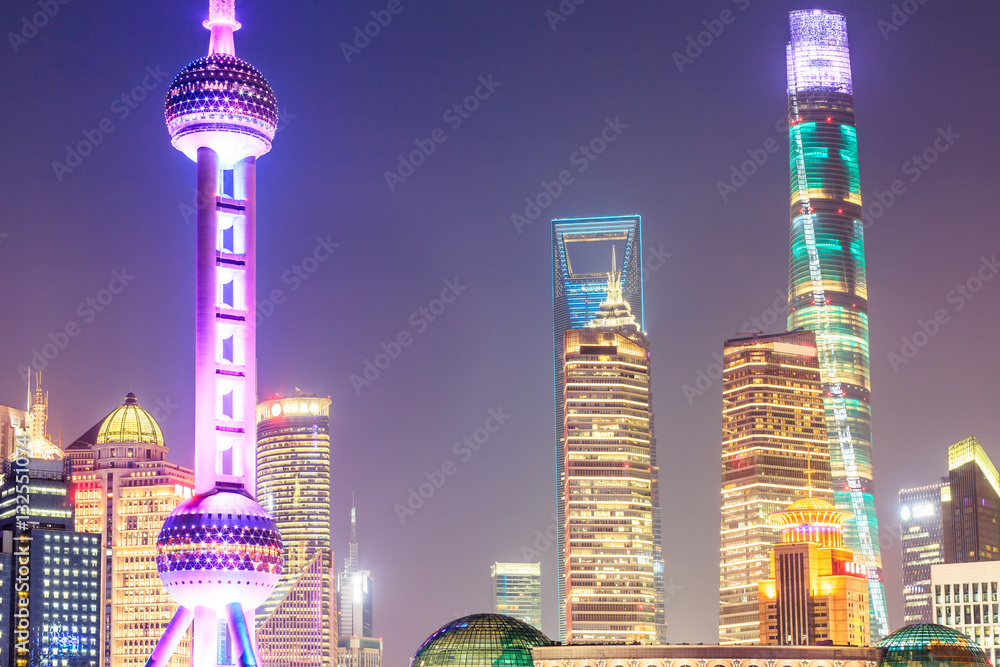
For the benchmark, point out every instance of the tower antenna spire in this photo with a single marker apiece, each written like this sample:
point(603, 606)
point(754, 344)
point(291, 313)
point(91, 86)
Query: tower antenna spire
point(222, 22)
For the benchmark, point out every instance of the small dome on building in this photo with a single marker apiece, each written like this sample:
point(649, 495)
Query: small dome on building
point(931, 645)
point(481, 640)
point(130, 423)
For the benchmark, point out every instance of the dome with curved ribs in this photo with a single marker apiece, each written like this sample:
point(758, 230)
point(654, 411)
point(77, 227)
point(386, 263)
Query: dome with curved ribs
point(481, 640)
point(931, 645)
point(219, 100)
point(130, 423)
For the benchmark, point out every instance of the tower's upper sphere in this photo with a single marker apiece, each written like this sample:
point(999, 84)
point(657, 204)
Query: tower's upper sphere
point(217, 548)
point(224, 103)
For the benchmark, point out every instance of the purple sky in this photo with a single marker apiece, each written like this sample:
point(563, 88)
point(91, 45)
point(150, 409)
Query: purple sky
point(346, 123)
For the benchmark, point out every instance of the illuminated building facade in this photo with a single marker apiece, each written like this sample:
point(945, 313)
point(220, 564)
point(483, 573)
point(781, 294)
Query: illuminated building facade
point(970, 506)
point(966, 599)
point(517, 591)
point(359, 652)
point(125, 496)
point(54, 572)
point(219, 554)
point(13, 422)
point(817, 593)
point(774, 451)
point(922, 545)
point(576, 297)
point(827, 287)
point(297, 623)
point(611, 548)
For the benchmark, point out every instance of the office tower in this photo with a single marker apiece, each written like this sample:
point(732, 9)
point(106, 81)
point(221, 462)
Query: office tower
point(293, 486)
point(517, 591)
point(125, 495)
point(611, 549)
point(774, 452)
point(578, 289)
point(817, 593)
point(922, 545)
point(970, 505)
point(966, 599)
point(827, 287)
point(219, 554)
point(50, 607)
point(354, 591)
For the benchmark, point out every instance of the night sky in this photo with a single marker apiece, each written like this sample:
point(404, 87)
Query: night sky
point(64, 232)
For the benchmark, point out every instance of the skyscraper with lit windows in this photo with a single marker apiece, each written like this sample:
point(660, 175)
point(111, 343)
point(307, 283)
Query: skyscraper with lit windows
point(774, 452)
point(517, 591)
point(297, 624)
point(828, 290)
point(612, 561)
point(579, 287)
point(921, 545)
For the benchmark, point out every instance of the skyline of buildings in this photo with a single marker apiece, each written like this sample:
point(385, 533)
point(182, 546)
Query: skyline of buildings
point(516, 591)
point(827, 284)
point(774, 452)
point(612, 364)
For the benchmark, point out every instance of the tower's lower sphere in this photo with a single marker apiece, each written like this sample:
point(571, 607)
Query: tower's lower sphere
point(218, 548)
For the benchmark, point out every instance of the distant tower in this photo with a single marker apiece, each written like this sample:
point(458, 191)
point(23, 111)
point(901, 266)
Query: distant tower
point(817, 592)
point(354, 587)
point(293, 485)
point(517, 591)
point(612, 561)
point(774, 452)
point(827, 284)
point(219, 554)
point(921, 546)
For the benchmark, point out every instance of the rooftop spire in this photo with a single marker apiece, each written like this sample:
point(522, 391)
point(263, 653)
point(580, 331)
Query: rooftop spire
point(352, 555)
point(222, 22)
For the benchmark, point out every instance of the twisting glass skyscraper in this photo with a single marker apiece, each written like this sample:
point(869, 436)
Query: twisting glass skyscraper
point(827, 289)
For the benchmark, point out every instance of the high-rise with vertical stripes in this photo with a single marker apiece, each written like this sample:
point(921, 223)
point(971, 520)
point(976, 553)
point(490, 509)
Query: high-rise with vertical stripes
point(828, 291)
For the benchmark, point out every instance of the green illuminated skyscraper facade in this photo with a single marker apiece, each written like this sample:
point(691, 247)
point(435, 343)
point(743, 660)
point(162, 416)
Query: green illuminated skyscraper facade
point(827, 287)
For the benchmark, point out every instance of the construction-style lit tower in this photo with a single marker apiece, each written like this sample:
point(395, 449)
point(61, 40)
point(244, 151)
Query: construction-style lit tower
point(827, 287)
point(219, 553)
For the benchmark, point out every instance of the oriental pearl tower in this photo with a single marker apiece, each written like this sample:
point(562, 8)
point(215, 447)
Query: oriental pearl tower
point(219, 553)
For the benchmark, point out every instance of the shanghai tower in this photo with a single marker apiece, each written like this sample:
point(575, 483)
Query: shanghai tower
point(827, 288)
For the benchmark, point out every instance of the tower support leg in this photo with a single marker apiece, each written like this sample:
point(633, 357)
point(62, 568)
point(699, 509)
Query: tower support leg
point(245, 652)
point(172, 636)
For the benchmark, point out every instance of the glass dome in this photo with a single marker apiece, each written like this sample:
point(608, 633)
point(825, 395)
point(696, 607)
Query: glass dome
point(481, 640)
point(130, 423)
point(928, 644)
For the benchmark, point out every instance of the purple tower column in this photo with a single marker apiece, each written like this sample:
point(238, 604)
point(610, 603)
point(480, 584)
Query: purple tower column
point(219, 554)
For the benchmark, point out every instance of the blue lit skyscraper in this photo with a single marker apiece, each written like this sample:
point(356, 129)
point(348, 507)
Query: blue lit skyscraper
point(579, 287)
point(827, 287)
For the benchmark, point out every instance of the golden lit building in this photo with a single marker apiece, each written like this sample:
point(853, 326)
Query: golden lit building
point(297, 626)
point(774, 451)
point(125, 494)
point(817, 592)
point(612, 560)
